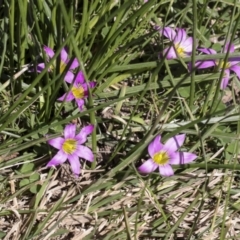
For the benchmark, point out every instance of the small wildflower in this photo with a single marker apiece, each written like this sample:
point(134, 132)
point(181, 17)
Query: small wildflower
point(79, 90)
point(63, 63)
point(165, 155)
point(181, 43)
point(231, 64)
point(71, 148)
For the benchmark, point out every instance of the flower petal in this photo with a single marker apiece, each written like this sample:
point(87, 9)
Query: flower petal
point(234, 60)
point(75, 164)
point(74, 64)
point(230, 46)
point(48, 51)
point(170, 53)
point(70, 131)
point(166, 170)
point(181, 157)
point(85, 152)
point(85, 88)
point(80, 103)
point(168, 33)
point(67, 98)
point(69, 77)
point(236, 69)
point(207, 50)
point(224, 83)
point(59, 158)
point(85, 131)
point(92, 84)
point(40, 67)
point(64, 56)
point(205, 64)
point(79, 78)
point(174, 143)
point(56, 142)
point(187, 45)
point(148, 167)
point(155, 146)
point(181, 36)
point(225, 79)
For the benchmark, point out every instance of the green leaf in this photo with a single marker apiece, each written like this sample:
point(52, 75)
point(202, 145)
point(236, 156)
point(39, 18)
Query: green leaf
point(136, 119)
point(231, 147)
point(35, 189)
point(184, 92)
point(2, 234)
point(24, 182)
point(59, 232)
point(27, 167)
point(34, 177)
point(105, 31)
point(217, 47)
point(35, 136)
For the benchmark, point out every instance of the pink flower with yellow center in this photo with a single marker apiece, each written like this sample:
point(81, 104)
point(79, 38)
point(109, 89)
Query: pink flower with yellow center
point(231, 64)
point(71, 148)
point(181, 44)
point(79, 91)
point(63, 63)
point(165, 155)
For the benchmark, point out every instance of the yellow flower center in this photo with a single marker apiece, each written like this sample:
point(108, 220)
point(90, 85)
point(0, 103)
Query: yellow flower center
point(61, 68)
point(221, 64)
point(161, 158)
point(78, 92)
point(180, 50)
point(69, 146)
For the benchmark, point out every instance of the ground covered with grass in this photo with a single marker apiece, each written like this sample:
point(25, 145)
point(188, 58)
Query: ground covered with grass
point(119, 119)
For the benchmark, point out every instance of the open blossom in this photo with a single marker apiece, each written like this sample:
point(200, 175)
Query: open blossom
point(63, 63)
point(231, 64)
point(181, 44)
point(71, 148)
point(79, 90)
point(165, 155)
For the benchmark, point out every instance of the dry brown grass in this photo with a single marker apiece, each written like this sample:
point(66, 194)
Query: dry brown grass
point(150, 207)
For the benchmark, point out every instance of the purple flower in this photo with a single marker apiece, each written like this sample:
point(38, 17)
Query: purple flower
point(70, 147)
point(181, 43)
point(64, 62)
point(231, 64)
point(79, 90)
point(163, 156)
